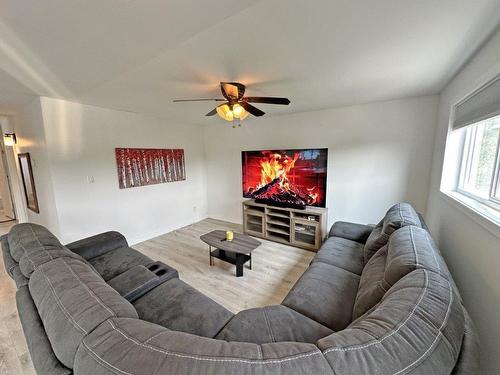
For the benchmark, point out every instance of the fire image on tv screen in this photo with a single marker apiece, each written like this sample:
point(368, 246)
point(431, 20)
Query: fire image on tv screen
point(287, 178)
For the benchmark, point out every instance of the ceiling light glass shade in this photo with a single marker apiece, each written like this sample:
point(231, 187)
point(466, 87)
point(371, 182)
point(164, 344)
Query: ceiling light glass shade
point(9, 139)
point(228, 114)
point(239, 111)
point(225, 112)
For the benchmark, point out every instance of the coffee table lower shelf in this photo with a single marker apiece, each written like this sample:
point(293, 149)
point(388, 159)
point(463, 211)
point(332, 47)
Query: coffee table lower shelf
point(234, 258)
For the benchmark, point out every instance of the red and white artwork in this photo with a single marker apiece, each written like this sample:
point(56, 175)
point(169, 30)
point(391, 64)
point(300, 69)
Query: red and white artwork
point(148, 166)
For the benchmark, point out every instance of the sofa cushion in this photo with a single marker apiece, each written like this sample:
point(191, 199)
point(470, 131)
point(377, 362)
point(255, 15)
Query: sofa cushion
point(131, 346)
point(272, 324)
point(372, 286)
point(417, 328)
point(411, 248)
point(326, 294)
point(342, 253)
point(117, 261)
point(178, 306)
point(42, 356)
point(399, 215)
point(351, 231)
point(72, 299)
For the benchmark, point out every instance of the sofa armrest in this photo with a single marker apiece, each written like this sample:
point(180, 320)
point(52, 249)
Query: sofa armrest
point(8, 261)
point(97, 245)
point(139, 280)
point(351, 231)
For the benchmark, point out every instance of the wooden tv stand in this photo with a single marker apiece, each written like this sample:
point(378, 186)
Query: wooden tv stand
point(301, 228)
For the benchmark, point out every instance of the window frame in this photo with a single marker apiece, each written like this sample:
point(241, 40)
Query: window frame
point(467, 148)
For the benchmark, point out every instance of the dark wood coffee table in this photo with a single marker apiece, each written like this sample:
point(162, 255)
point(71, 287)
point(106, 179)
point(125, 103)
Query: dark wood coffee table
point(237, 252)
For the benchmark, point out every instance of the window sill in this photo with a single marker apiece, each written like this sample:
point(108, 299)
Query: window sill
point(482, 214)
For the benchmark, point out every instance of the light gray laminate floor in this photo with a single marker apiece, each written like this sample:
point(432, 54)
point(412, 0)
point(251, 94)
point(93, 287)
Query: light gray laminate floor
point(276, 268)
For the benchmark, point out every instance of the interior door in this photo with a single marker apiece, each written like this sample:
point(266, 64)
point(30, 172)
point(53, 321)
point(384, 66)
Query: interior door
point(5, 193)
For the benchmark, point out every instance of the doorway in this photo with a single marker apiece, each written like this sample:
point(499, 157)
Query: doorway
point(7, 211)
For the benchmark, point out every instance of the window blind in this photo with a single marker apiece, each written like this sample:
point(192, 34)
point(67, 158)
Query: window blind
point(482, 104)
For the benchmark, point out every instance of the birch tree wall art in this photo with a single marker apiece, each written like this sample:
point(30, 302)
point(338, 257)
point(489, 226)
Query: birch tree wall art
point(148, 166)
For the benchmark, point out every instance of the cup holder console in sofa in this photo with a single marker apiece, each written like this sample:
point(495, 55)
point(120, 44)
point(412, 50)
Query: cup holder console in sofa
point(139, 280)
point(163, 271)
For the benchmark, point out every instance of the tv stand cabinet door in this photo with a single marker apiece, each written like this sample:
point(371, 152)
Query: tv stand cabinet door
point(305, 234)
point(254, 223)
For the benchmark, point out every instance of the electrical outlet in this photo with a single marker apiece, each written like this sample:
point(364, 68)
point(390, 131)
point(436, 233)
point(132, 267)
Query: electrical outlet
point(90, 179)
point(195, 209)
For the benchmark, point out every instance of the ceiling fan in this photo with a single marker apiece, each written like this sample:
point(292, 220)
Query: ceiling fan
point(236, 106)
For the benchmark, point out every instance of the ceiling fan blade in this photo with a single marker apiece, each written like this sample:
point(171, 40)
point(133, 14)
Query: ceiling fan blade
point(212, 112)
point(252, 110)
point(198, 100)
point(232, 90)
point(266, 100)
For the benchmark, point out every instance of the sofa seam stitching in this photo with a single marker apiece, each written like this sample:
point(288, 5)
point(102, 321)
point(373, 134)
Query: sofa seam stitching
point(212, 359)
point(268, 325)
point(155, 336)
point(414, 247)
point(259, 350)
point(433, 253)
point(27, 257)
point(38, 240)
point(103, 362)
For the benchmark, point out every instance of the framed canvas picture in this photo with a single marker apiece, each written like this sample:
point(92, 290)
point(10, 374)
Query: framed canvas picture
point(148, 166)
point(28, 181)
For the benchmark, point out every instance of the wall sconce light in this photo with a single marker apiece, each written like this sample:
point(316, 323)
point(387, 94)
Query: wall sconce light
point(9, 139)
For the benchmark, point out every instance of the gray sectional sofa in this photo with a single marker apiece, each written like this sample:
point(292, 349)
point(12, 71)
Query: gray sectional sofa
point(375, 300)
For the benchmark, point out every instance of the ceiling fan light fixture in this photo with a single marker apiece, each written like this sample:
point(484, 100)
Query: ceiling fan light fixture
point(231, 112)
point(237, 106)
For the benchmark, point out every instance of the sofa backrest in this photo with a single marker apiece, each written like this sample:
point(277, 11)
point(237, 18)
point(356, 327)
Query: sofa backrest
point(399, 215)
point(408, 248)
point(29, 238)
point(44, 360)
point(411, 248)
point(418, 324)
point(132, 346)
point(71, 298)
point(32, 245)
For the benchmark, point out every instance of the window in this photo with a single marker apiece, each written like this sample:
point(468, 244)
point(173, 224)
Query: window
point(479, 170)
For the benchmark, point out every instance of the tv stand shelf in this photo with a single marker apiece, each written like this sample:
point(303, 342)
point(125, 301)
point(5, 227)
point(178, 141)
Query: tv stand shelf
point(302, 228)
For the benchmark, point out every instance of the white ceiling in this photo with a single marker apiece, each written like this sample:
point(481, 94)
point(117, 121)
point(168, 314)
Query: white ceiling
point(138, 55)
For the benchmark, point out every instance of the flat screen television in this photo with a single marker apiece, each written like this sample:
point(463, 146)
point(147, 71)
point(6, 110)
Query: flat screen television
point(287, 178)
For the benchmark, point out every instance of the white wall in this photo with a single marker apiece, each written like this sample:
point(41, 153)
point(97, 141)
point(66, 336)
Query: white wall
point(470, 245)
point(80, 142)
point(31, 138)
point(379, 154)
